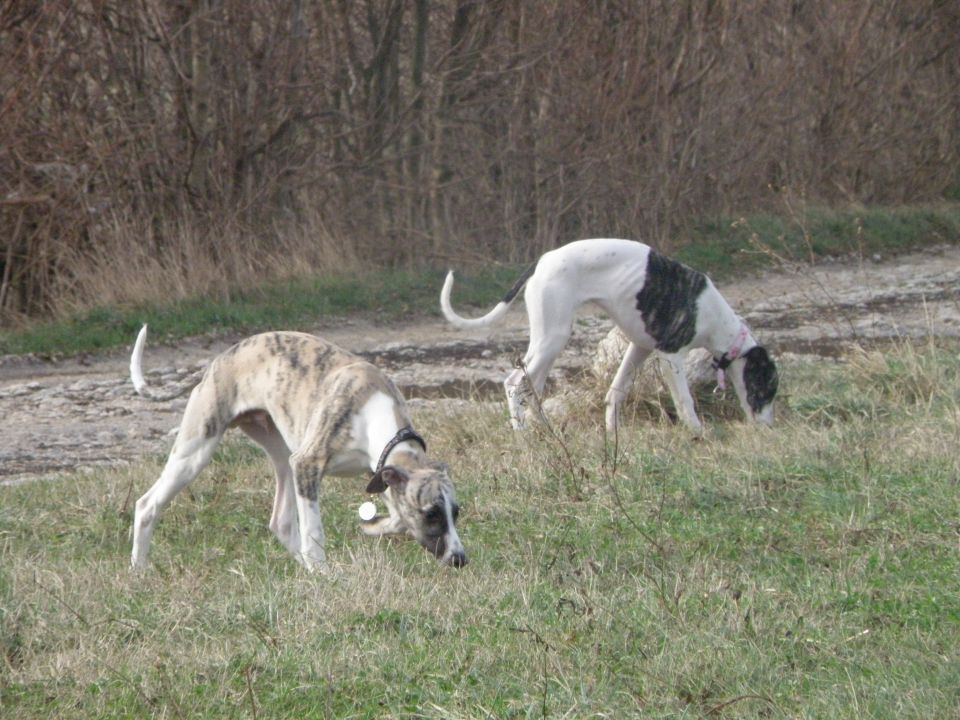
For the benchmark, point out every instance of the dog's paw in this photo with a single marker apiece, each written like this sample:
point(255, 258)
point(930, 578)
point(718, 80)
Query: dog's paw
point(319, 569)
point(382, 525)
point(312, 563)
point(324, 570)
point(372, 526)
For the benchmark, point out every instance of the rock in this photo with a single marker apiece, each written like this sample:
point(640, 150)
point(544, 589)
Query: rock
point(699, 365)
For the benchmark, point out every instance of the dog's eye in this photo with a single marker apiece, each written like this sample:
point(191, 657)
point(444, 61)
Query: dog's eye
point(434, 514)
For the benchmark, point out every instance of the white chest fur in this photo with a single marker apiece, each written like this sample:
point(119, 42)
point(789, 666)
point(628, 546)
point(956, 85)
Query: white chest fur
point(371, 429)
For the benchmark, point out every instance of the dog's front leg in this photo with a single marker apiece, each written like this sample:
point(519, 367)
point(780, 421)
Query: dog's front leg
point(517, 390)
point(632, 359)
point(283, 520)
point(676, 377)
point(307, 476)
point(383, 525)
point(390, 524)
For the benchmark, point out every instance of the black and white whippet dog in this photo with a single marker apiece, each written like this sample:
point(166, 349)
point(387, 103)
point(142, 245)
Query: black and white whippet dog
point(316, 410)
point(658, 303)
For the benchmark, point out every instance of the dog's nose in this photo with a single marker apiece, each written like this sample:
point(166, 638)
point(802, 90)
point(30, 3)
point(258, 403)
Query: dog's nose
point(458, 559)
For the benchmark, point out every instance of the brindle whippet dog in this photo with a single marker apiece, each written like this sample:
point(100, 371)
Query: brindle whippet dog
point(316, 410)
point(658, 303)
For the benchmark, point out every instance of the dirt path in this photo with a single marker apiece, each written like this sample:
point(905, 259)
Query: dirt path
point(83, 412)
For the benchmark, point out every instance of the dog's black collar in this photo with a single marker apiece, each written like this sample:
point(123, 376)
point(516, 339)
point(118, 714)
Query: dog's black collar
point(403, 434)
point(722, 362)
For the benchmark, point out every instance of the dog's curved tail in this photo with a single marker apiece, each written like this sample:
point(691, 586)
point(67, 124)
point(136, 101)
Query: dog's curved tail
point(491, 317)
point(136, 362)
point(140, 383)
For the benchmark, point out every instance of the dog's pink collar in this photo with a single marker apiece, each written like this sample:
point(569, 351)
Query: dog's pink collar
point(723, 362)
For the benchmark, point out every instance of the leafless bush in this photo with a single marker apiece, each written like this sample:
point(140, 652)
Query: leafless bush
point(400, 131)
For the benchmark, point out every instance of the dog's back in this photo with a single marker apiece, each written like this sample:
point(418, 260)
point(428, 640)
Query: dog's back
point(287, 374)
point(623, 277)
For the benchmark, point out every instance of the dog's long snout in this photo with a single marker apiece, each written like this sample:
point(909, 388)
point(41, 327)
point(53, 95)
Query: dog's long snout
point(765, 416)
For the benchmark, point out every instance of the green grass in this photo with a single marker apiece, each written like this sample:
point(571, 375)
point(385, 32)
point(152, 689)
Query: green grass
point(390, 295)
point(728, 246)
point(809, 571)
point(721, 247)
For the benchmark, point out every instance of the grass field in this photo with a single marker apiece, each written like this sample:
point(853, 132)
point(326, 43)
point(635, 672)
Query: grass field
point(809, 571)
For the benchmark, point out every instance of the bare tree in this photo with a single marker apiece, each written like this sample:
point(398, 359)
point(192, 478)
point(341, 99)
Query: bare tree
point(410, 131)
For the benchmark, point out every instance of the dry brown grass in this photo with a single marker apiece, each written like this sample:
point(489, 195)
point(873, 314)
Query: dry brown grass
point(132, 266)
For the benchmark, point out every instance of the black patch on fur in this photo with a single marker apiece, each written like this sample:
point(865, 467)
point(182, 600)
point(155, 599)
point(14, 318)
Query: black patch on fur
point(342, 421)
point(320, 357)
point(435, 529)
point(668, 302)
point(760, 378)
point(435, 518)
point(210, 427)
point(308, 481)
point(276, 344)
point(518, 285)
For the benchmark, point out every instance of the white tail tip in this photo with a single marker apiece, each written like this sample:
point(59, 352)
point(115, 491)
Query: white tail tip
point(136, 362)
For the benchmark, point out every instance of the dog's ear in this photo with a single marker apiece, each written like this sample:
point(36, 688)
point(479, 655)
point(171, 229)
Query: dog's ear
point(389, 476)
point(760, 377)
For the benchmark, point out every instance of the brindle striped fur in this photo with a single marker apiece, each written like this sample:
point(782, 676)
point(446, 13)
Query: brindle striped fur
point(316, 410)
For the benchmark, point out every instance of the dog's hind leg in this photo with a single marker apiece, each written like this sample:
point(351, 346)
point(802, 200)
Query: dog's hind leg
point(260, 428)
point(517, 391)
point(189, 456)
point(201, 430)
point(530, 379)
point(632, 359)
point(551, 324)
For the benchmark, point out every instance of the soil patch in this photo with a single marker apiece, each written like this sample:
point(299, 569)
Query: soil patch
point(83, 412)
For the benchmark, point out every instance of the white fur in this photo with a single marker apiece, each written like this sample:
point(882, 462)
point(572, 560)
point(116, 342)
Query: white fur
point(136, 362)
point(608, 273)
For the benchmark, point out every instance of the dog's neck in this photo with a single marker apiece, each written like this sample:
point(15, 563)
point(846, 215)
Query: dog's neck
point(731, 342)
point(730, 338)
point(407, 459)
point(394, 454)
